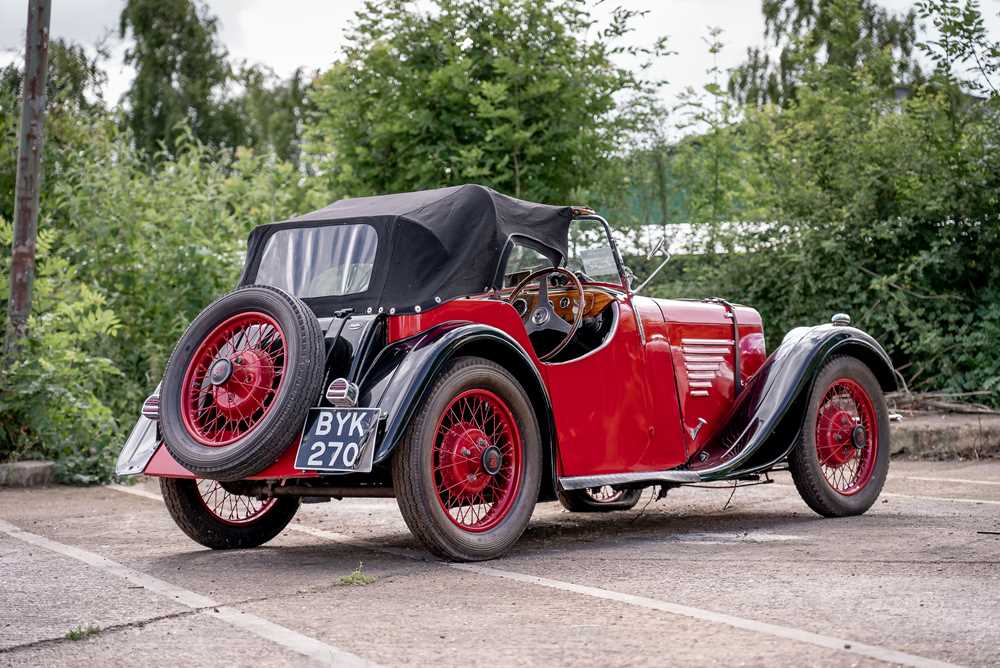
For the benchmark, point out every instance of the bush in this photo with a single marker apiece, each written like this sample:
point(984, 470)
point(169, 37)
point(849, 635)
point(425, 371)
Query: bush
point(54, 390)
point(851, 200)
point(137, 255)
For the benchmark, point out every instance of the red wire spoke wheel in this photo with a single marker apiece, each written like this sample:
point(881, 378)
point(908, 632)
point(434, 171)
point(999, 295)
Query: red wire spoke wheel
point(846, 436)
point(841, 459)
point(233, 378)
point(477, 460)
point(240, 383)
point(218, 516)
point(604, 499)
point(235, 509)
point(468, 469)
point(605, 494)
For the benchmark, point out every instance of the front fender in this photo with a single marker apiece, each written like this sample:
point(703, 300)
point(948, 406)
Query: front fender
point(768, 414)
point(402, 374)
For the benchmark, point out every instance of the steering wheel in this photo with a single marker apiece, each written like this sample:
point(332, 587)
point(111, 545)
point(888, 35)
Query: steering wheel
point(543, 316)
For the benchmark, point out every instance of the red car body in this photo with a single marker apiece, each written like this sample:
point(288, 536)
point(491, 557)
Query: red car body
point(646, 365)
point(606, 389)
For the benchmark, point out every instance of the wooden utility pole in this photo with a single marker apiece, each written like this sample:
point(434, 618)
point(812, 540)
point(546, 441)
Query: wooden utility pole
point(29, 161)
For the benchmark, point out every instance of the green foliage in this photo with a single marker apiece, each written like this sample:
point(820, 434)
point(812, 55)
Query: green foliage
point(127, 258)
point(74, 109)
point(962, 42)
point(137, 255)
point(268, 114)
point(851, 200)
point(162, 245)
point(53, 393)
point(509, 94)
point(808, 187)
point(180, 72)
point(185, 84)
point(357, 578)
point(838, 34)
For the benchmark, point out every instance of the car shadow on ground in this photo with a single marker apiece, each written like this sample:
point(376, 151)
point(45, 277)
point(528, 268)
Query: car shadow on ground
point(572, 531)
point(553, 534)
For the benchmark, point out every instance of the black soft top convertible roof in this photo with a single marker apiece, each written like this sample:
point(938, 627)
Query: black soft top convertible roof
point(433, 245)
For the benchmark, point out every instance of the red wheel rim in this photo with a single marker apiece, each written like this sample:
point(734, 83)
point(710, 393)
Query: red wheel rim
point(233, 379)
point(846, 436)
point(235, 509)
point(476, 462)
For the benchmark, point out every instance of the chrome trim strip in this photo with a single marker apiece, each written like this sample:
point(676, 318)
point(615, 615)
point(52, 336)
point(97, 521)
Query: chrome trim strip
point(691, 357)
point(701, 367)
point(707, 342)
point(638, 321)
point(702, 375)
point(698, 393)
point(588, 481)
point(705, 350)
point(700, 383)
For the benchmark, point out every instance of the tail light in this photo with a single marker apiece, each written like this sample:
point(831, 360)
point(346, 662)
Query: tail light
point(151, 407)
point(342, 393)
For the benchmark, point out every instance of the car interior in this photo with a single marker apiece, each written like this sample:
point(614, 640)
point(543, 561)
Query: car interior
point(600, 310)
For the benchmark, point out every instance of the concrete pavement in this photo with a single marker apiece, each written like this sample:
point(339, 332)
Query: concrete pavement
point(682, 582)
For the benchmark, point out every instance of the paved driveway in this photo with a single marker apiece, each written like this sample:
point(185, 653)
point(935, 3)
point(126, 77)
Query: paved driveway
point(915, 581)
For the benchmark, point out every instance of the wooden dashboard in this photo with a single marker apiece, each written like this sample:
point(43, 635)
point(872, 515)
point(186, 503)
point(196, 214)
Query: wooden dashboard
point(563, 300)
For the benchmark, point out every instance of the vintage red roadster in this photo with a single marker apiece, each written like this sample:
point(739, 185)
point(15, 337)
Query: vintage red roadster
point(471, 354)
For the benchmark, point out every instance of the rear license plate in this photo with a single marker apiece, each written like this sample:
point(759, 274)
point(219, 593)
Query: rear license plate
point(338, 440)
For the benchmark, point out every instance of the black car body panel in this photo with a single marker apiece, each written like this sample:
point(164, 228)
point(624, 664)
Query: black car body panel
point(767, 416)
point(401, 375)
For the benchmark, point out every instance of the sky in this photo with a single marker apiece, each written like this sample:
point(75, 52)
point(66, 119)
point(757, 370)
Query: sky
point(285, 34)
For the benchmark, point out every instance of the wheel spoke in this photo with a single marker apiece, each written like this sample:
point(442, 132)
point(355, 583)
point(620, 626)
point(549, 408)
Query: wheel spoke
point(474, 498)
point(254, 346)
point(846, 466)
point(231, 508)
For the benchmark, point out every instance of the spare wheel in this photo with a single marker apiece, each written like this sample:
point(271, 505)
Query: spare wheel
point(240, 383)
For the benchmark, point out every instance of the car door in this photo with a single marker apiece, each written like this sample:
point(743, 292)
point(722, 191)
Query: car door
point(601, 405)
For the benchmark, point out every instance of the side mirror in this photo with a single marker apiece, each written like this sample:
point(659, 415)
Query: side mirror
point(656, 249)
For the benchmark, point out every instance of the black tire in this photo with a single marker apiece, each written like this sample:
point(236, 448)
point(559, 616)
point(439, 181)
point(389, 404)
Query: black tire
point(284, 418)
point(582, 501)
point(414, 479)
point(804, 460)
point(190, 513)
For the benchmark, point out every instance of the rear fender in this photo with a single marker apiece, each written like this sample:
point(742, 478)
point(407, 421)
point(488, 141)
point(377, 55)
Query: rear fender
point(768, 414)
point(402, 375)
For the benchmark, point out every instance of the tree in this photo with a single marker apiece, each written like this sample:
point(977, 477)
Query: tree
point(268, 113)
point(180, 72)
point(838, 34)
point(74, 102)
point(31, 137)
point(521, 95)
point(963, 41)
point(885, 209)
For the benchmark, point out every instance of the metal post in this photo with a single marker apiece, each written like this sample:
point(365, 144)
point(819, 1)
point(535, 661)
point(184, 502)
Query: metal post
point(29, 159)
